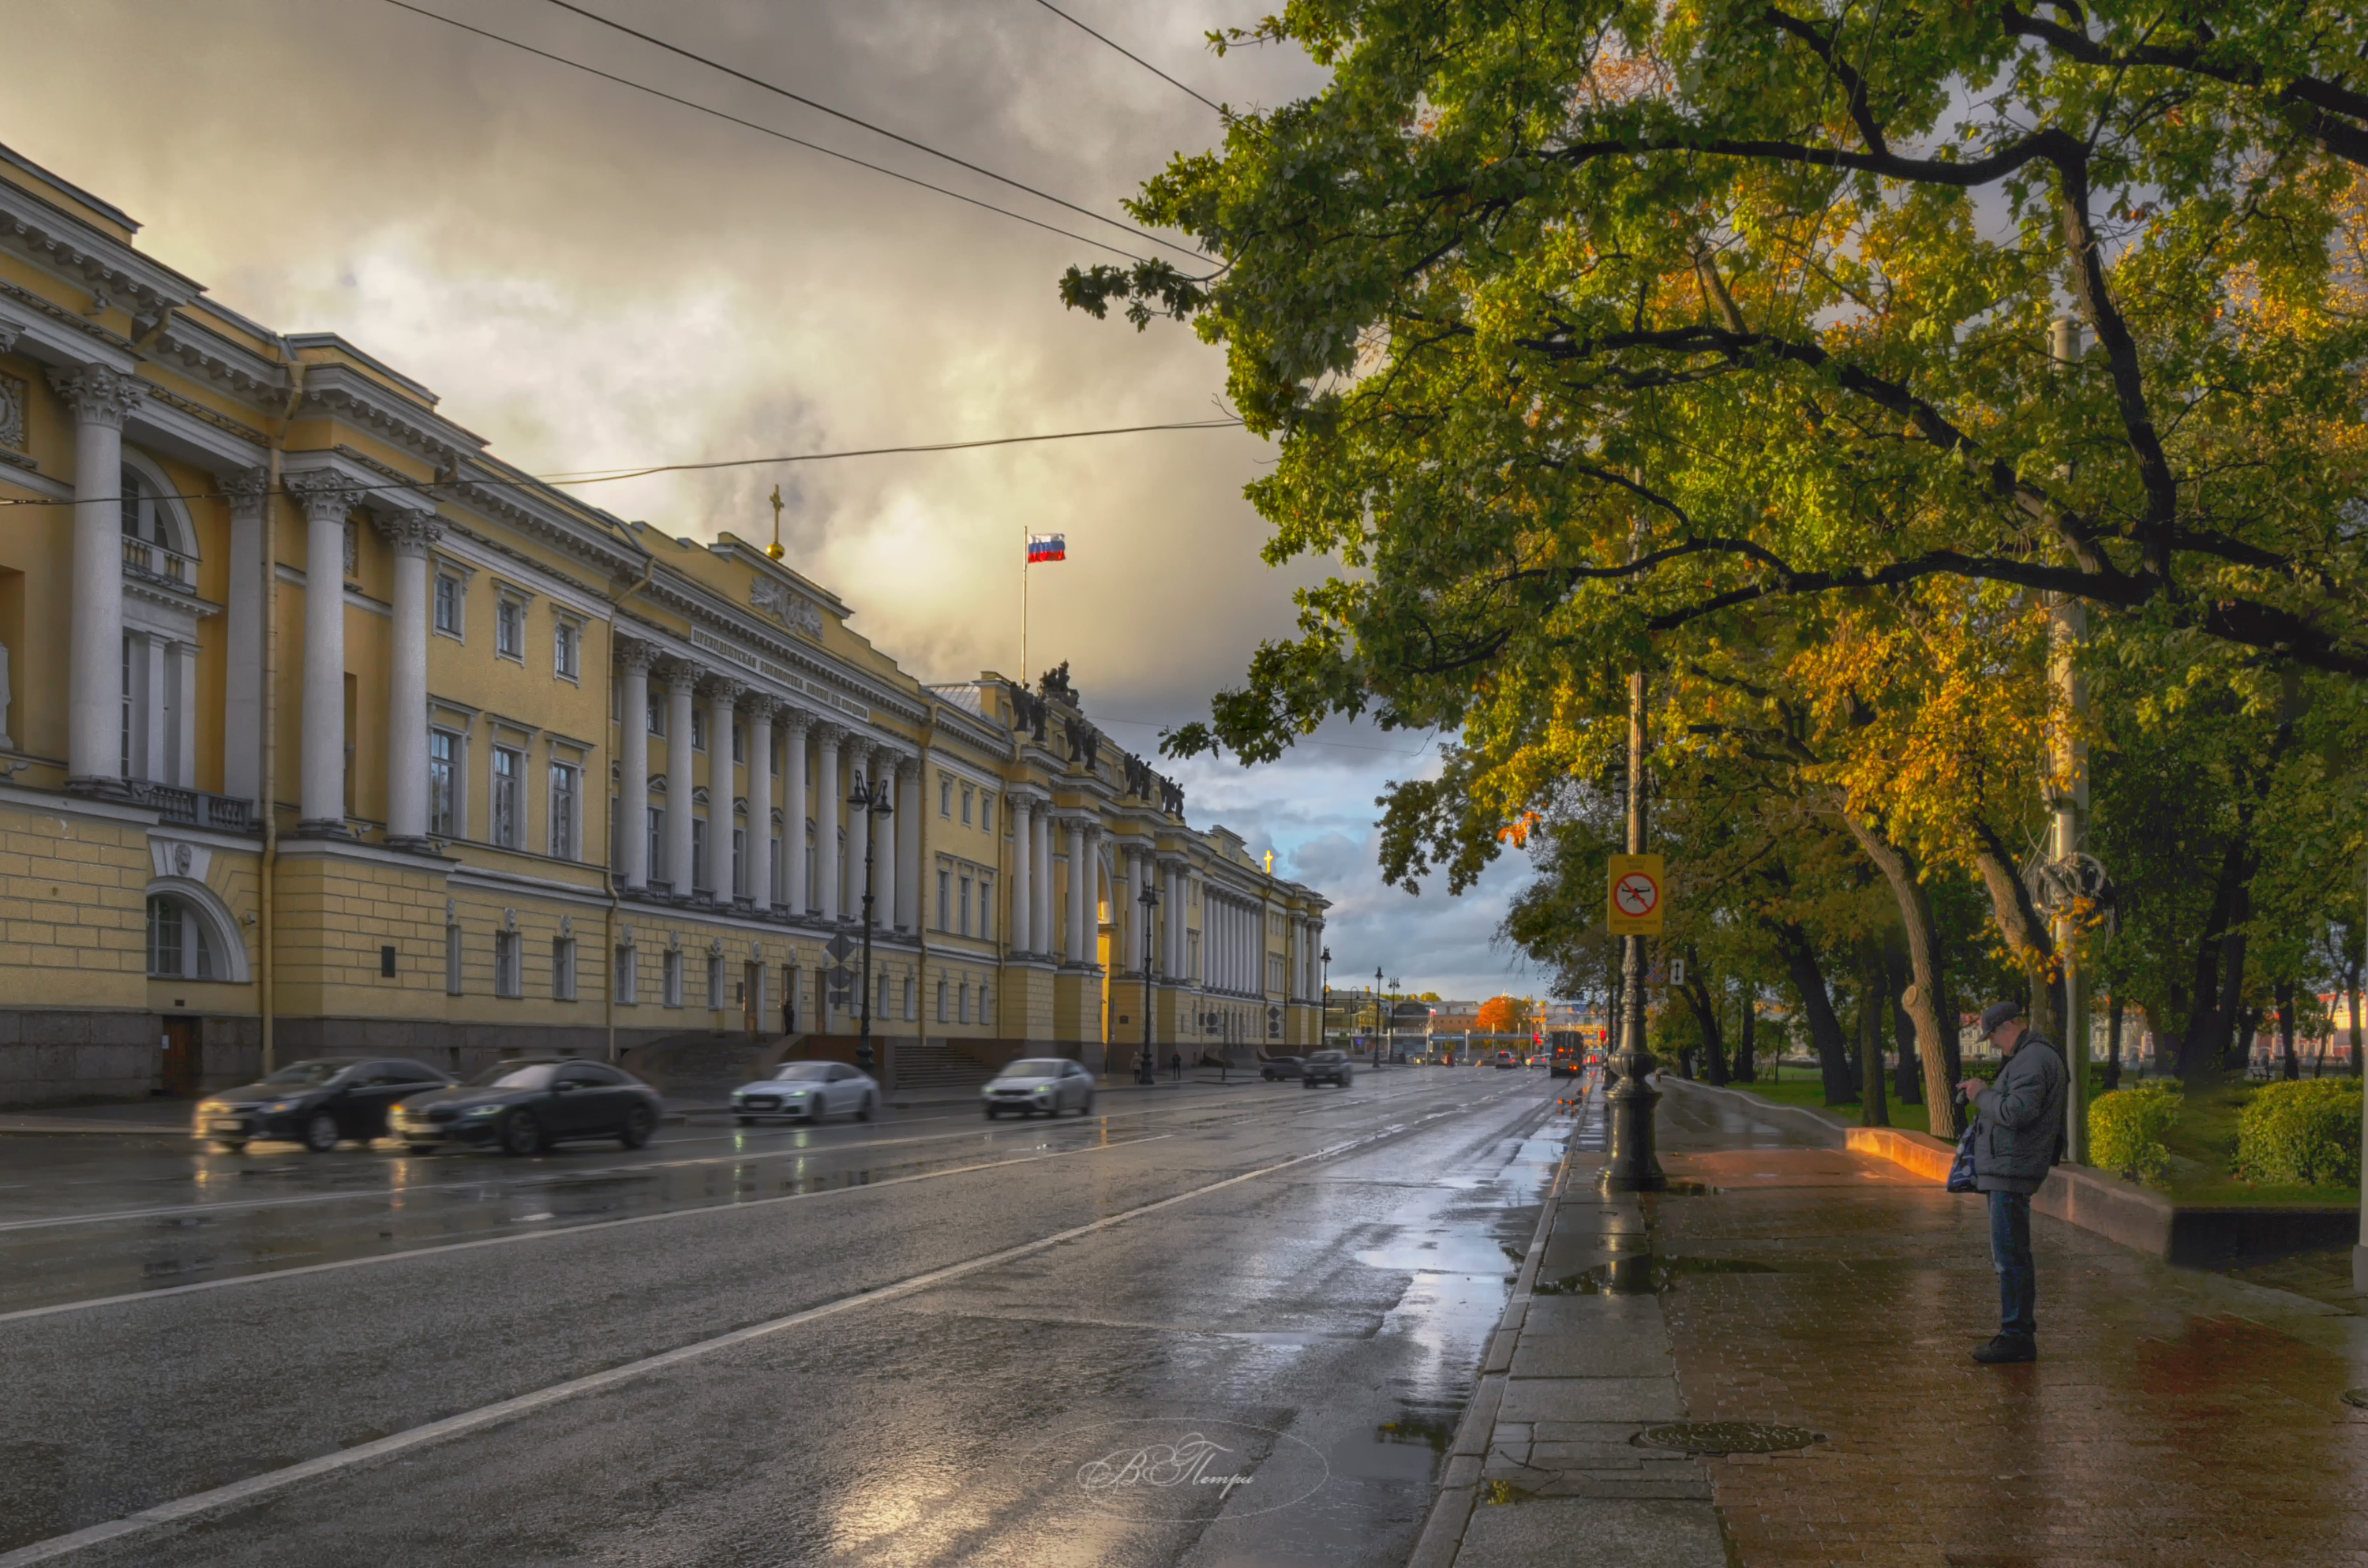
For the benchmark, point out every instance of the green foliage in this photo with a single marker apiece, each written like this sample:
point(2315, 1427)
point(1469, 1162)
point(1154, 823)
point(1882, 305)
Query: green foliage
point(2126, 1127)
point(2305, 1133)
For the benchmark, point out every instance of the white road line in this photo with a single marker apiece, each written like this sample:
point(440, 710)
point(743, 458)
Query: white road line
point(239, 1493)
point(511, 1238)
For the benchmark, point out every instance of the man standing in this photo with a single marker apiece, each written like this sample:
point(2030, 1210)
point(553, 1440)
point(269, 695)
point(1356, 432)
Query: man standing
point(2020, 1131)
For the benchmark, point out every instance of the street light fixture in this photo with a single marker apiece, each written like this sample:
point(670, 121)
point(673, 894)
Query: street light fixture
point(1324, 1018)
point(1147, 1071)
point(872, 801)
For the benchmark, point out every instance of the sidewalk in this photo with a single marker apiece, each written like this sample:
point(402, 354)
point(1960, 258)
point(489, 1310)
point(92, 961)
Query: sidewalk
point(2176, 1417)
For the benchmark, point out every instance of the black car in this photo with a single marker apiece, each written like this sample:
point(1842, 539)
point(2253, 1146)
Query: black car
point(1278, 1067)
point(523, 1108)
point(1326, 1067)
point(320, 1103)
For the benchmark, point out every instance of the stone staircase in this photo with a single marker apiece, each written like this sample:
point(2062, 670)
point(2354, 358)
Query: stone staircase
point(932, 1064)
point(697, 1069)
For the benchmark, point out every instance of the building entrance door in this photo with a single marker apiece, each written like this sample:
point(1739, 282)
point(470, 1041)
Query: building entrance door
point(752, 999)
point(182, 1067)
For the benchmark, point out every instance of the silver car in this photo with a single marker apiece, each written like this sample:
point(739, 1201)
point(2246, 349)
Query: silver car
point(1047, 1084)
point(806, 1091)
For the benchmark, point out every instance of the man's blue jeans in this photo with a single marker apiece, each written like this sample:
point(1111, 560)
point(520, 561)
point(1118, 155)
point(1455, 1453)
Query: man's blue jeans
point(2011, 1254)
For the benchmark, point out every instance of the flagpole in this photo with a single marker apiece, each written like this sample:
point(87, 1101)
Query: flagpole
point(1024, 564)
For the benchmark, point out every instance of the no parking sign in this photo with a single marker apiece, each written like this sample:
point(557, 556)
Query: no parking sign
point(1637, 897)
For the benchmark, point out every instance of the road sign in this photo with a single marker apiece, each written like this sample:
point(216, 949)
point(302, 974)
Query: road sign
point(1636, 901)
point(839, 946)
point(839, 976)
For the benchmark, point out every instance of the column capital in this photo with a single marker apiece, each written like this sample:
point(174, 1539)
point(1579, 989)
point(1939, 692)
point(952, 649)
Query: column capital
point(679, 673)
point(410, 533)
point(635, 656)
point(828, 734)
point(243, 489)
point(790, 719)
point(755, 703)
point(324, 496)
point(98, 394)
point(722, 689)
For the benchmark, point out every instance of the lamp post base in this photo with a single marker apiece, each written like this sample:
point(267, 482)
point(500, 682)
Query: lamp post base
point(1634, 1167)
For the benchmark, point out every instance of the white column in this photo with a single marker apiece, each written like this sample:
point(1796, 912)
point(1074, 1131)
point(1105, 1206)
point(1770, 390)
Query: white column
point(1041, 891)
point(243, 639)
point(681, 783)
point(1072, 941)
point(1018, 932)
point(760, 804)
point(908, 843)
point(795, 723)
point(406, 680)
point(827, 795)
point(883, 882)
point(633, 767)
point(99, 398)
point(185, 715)
point(321, 795)
point(151, 688)
point(723, 698)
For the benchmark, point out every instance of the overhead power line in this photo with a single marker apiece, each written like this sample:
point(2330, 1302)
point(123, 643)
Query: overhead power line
point(759, 81)
point(752, 125)
point(604, 476)
point(1121, 49)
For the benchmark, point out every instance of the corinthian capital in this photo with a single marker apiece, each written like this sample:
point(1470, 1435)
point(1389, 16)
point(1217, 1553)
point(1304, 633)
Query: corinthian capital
point(411, 533)
point(99, 395)
point(722, 689)
point(324, 496)
point(634, 656)
point(243, 489)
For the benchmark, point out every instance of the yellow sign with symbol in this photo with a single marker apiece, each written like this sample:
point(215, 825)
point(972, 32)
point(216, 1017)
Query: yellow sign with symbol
point(1638, 895)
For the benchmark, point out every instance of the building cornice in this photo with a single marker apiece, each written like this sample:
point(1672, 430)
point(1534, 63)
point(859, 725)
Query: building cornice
point(342, 391)
point(111, 269)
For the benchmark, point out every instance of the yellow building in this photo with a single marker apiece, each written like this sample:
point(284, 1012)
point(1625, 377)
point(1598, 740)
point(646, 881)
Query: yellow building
point(539, 778)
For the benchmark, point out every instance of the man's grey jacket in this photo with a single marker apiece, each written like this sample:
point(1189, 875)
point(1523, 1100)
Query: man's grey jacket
point(2021, 1120)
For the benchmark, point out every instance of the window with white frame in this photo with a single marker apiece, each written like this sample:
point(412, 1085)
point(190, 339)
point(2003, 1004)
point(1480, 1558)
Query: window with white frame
point(945, 900)
point(563, 968)
point(509, 628)
point(699, 728)
point(987, 810)
point(509, 965)
point(450, 604)
point(908, 1008)
point(702, 879)
point(671, 974)
point(1191, 955)
point(739, 862)
point(510, 797)
point(986, 908)
point(961, 1002)
point(443, 783)
point(941, 1003)
point(985, 992)
point(945, 796)
point(962, 909)
point(566, 809)
point(566, 648)
point(969, 796)
point(657, 860)
point(628, 976)
point(739, 741)
point(451, 961)
point(177, 945)
point(716, 981)
point(657, 717)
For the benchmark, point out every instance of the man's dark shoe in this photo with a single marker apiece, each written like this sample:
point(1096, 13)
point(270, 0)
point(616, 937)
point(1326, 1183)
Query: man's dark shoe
point(2006, 1347)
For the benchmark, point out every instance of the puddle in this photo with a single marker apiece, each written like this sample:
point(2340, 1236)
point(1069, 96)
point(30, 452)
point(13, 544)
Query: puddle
point(1643, 1275)
point(1433, 1431)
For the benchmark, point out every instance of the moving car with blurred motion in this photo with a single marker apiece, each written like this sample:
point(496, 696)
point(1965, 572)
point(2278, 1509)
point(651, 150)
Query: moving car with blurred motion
point(807, 1091)
point(525, 1107)
point(319, 1103)
point(1326, 1067)
point(1274, 1068)
point(1046, 1084)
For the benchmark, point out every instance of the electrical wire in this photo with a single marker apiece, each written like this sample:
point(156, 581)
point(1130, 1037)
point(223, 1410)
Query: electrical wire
point(656, 42)
point(603, 477)
point(1139, 60)
point(752, 125)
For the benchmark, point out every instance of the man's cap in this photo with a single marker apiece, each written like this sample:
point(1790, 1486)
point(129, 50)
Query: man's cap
point(1998, 1013)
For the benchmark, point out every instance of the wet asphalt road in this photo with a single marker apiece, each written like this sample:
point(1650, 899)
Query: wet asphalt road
point(928, 1340)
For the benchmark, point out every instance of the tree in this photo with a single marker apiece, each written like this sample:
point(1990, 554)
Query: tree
point(1506, 1015)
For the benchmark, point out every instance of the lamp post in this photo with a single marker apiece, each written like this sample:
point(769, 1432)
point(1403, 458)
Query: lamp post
point(1324, 1019)
point(1395, 986)
point(1147, 1071)
point(1377, 1008)
point(1633, 1166)
point(871, 798)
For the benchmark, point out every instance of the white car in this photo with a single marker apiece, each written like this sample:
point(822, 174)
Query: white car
point(806, 1091)
point(1049, 1083)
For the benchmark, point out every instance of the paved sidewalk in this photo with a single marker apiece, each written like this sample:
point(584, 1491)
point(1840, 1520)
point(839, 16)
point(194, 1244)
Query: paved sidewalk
point(2176, 1417)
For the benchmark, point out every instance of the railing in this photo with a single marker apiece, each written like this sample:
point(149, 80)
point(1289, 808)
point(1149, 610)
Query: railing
point(193, 808)
point(159, 564)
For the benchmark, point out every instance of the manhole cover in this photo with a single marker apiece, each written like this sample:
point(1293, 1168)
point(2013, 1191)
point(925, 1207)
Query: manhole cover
point(1727, 1438)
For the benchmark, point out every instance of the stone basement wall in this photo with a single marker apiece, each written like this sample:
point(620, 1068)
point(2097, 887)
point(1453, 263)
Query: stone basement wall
point(75, 1056)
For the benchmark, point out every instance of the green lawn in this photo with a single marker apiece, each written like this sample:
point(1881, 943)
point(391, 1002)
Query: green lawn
point(1805, 1091)
point(2203, 1143)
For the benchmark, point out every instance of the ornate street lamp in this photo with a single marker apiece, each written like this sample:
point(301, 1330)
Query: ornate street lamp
point(872, 801)
point(1324, 1018)
point(1147, 1070)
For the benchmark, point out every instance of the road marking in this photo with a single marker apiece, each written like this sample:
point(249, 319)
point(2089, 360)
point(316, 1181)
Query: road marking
point(257, 1279)
point(243, 1492)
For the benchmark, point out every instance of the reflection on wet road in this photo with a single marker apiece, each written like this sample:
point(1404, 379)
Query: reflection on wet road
point(1223, 1327)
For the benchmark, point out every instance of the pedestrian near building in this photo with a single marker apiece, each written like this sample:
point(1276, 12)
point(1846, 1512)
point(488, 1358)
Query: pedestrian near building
point(2017, 1138)
point(1176, 1065)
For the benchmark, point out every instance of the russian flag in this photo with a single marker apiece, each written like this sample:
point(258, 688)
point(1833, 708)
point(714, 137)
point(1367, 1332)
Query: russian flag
point(1047, 547)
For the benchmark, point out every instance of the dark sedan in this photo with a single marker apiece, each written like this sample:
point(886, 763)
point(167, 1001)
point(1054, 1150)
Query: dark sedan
point(524, 1107)
point(320, 1103)
point(1328, 1067)
point(1273, 1068)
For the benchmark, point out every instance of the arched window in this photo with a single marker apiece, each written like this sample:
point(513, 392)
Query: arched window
point(179, 946)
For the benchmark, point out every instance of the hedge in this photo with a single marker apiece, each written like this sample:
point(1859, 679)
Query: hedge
point(2125, 1128)
point(2301, 1134)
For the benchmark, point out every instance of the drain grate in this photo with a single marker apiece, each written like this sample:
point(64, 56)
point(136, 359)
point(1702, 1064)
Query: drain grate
point(1727, 1438)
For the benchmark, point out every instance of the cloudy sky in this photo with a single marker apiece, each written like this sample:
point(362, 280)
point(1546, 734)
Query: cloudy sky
point(592, 277)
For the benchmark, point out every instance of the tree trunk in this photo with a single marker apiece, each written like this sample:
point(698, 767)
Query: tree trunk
point(1705, 1007)
point(2026, 932)
point(2113, 1043)
point(1817, 1006)
point(2200, 1048)
point(2289, 1067)
point(1922, 998)
point(1905, 1086)
point(1746, 1065)
point(1872, 999)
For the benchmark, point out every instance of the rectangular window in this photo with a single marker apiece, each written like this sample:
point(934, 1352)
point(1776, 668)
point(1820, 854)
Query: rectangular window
point(987, 810)
point(962, 909)
point(451, 961)
point(986, 908)
point(739, 742)
point(715, 983)
point(941, 1003)
point(961, 1002)
point(567, 789)
point(945, 796)
point(448, 604)
point(657, 838)
point(509, 804)
point(628, 979)
point(509, 965)
point(673, 976)
point(657, 718)
point(699, 729)
point(163, 936)
point(739, 862)
point(563, 968)
point(703, 878)
point(945, 900)
point(969, 795)
point(443, 774)
point(509, 628)
point(566, 649)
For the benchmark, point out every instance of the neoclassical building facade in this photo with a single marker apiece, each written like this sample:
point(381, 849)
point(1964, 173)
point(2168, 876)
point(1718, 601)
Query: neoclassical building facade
point(323, 729)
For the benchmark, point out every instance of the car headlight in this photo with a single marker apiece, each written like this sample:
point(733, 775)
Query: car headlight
point(212, 1107)
point(278, 1106)
point(485, 1110)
